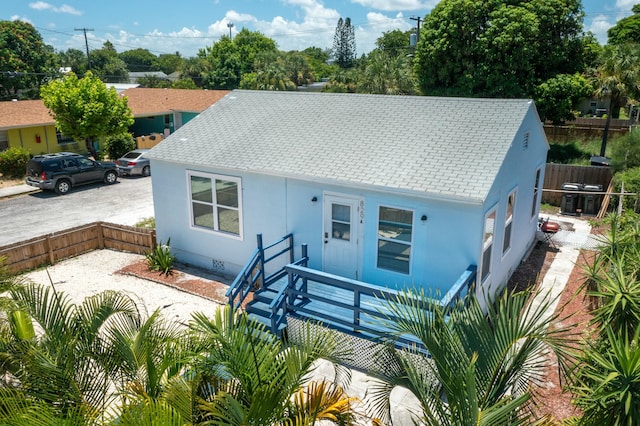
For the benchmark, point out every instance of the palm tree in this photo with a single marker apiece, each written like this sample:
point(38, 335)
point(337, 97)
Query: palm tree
point(247, 376)
point(617, 76)
point(54, 352)
point(481, 367)
point(387, 75)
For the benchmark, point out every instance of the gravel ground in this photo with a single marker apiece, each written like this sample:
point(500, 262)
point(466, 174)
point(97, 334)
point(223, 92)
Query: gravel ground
point(96, 271)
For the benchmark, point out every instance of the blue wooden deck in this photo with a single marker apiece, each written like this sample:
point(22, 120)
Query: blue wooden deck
point(350, 306)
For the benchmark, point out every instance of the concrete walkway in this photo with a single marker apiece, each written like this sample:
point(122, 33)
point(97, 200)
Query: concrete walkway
point(11, 191)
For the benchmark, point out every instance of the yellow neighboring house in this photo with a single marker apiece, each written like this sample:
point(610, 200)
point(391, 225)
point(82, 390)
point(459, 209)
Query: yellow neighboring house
point(157, 113)
point(28, 124)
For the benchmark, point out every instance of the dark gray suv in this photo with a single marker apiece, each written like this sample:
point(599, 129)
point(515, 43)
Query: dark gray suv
point(63, 170)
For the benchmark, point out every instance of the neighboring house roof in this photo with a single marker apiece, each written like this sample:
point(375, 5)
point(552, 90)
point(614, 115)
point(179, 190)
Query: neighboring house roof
point(143, 103)
point(121, 87)
point(165, 101)
point(15, 114)
point(440, 147)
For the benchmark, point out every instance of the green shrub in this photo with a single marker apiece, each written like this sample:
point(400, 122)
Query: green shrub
point(160, 258)
point(148, 222)
point(118, 145)
point(631, 179)
point(625, 152)
point(13, 162)
point(567, 153)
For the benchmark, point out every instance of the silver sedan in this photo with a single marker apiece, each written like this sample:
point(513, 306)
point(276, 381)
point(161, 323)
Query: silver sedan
point(134, 163)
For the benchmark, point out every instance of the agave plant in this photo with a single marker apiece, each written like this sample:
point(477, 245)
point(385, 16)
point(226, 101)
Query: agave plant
point(481, 366)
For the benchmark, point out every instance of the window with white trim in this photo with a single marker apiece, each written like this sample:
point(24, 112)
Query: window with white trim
point(487, 245)
point(215, 202)
point(536, 190)
point(395, 235)
point(508, 222)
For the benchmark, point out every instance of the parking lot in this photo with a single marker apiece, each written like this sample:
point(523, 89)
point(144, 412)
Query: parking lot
point(41, 212)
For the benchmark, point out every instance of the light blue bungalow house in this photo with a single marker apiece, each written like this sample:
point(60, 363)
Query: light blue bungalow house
point(384, 191)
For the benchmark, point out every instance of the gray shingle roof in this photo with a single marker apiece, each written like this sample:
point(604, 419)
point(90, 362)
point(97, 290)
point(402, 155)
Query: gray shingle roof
point(442, 147)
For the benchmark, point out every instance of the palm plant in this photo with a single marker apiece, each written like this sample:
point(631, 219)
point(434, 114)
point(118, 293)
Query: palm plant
point(54, 352)
point(617, 76)
point(482, 367)
point(246, 376)
point(606, 382)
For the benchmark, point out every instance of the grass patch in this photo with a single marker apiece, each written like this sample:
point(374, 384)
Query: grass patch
point(147, 222)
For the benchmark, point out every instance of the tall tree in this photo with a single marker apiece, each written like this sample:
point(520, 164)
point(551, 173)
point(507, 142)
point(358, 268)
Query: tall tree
point(344, 44)
point(74, 59)
point(26, 61)
point(169, 62)
point(85, 109)
point(106, 64)
point(626, 30)
point(394, 43)
point(498, 48)
point(229, 59)
point(139, 60)
point(558, 97)
point(388, 75)
point(617, 76)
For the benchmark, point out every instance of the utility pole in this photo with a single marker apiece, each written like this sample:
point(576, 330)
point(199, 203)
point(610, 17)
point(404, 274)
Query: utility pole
point(419, 19)
point(230, 25)
point(84, 30)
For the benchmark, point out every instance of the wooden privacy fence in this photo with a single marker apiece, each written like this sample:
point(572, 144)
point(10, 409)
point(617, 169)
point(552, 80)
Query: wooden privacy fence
point(558, 174)
point(51, 248)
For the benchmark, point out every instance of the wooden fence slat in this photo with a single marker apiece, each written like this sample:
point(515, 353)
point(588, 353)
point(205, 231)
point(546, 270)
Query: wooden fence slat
point(30, 254)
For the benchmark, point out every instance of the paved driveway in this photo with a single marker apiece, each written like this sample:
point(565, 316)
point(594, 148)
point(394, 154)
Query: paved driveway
point(42, 212)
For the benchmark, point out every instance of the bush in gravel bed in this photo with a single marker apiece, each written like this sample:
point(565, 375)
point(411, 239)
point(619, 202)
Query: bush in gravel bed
point(160, 259)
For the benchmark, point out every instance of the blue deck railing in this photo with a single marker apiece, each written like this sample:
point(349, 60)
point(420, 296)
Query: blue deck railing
point(348, 305)
point(252, 275)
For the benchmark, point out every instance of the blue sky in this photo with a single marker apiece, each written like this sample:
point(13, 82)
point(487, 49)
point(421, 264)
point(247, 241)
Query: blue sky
point(164, 26)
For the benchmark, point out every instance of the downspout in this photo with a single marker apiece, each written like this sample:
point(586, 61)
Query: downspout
point(46, 139)
point(20, 134)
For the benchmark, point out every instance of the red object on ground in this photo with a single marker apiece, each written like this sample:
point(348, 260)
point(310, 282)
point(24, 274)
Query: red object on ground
point(550, 227)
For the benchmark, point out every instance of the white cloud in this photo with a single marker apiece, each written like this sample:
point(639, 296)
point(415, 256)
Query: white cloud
point(65, 8)
point(625, 5)
point(599, 26)
point(20, 18)
point(396, 5)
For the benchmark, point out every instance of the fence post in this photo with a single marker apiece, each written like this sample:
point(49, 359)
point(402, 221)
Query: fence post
point(99, 229)
point(52, 259)
point(152, 242)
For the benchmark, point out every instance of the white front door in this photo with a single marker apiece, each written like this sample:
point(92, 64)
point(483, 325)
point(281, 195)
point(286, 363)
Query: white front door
point(341, 236)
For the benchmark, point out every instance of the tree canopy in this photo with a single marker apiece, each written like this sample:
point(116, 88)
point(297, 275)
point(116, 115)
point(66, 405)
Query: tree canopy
point(27, 62)
point(85, 109)
point(229, 59)
point(139, 60)
point(498, 48)
point(106, 64)
point(626, 30)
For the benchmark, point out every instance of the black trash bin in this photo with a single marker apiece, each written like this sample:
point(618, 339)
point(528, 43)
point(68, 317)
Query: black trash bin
point(591, 203)
point(570, 200)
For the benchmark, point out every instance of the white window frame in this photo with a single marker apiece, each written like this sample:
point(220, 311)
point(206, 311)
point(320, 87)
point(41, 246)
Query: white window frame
point(407, 243)
point(216, 224)
point(487, 244)
point(508, 221)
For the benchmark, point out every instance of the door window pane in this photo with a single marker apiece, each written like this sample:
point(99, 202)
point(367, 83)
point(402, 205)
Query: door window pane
point(341, 222)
